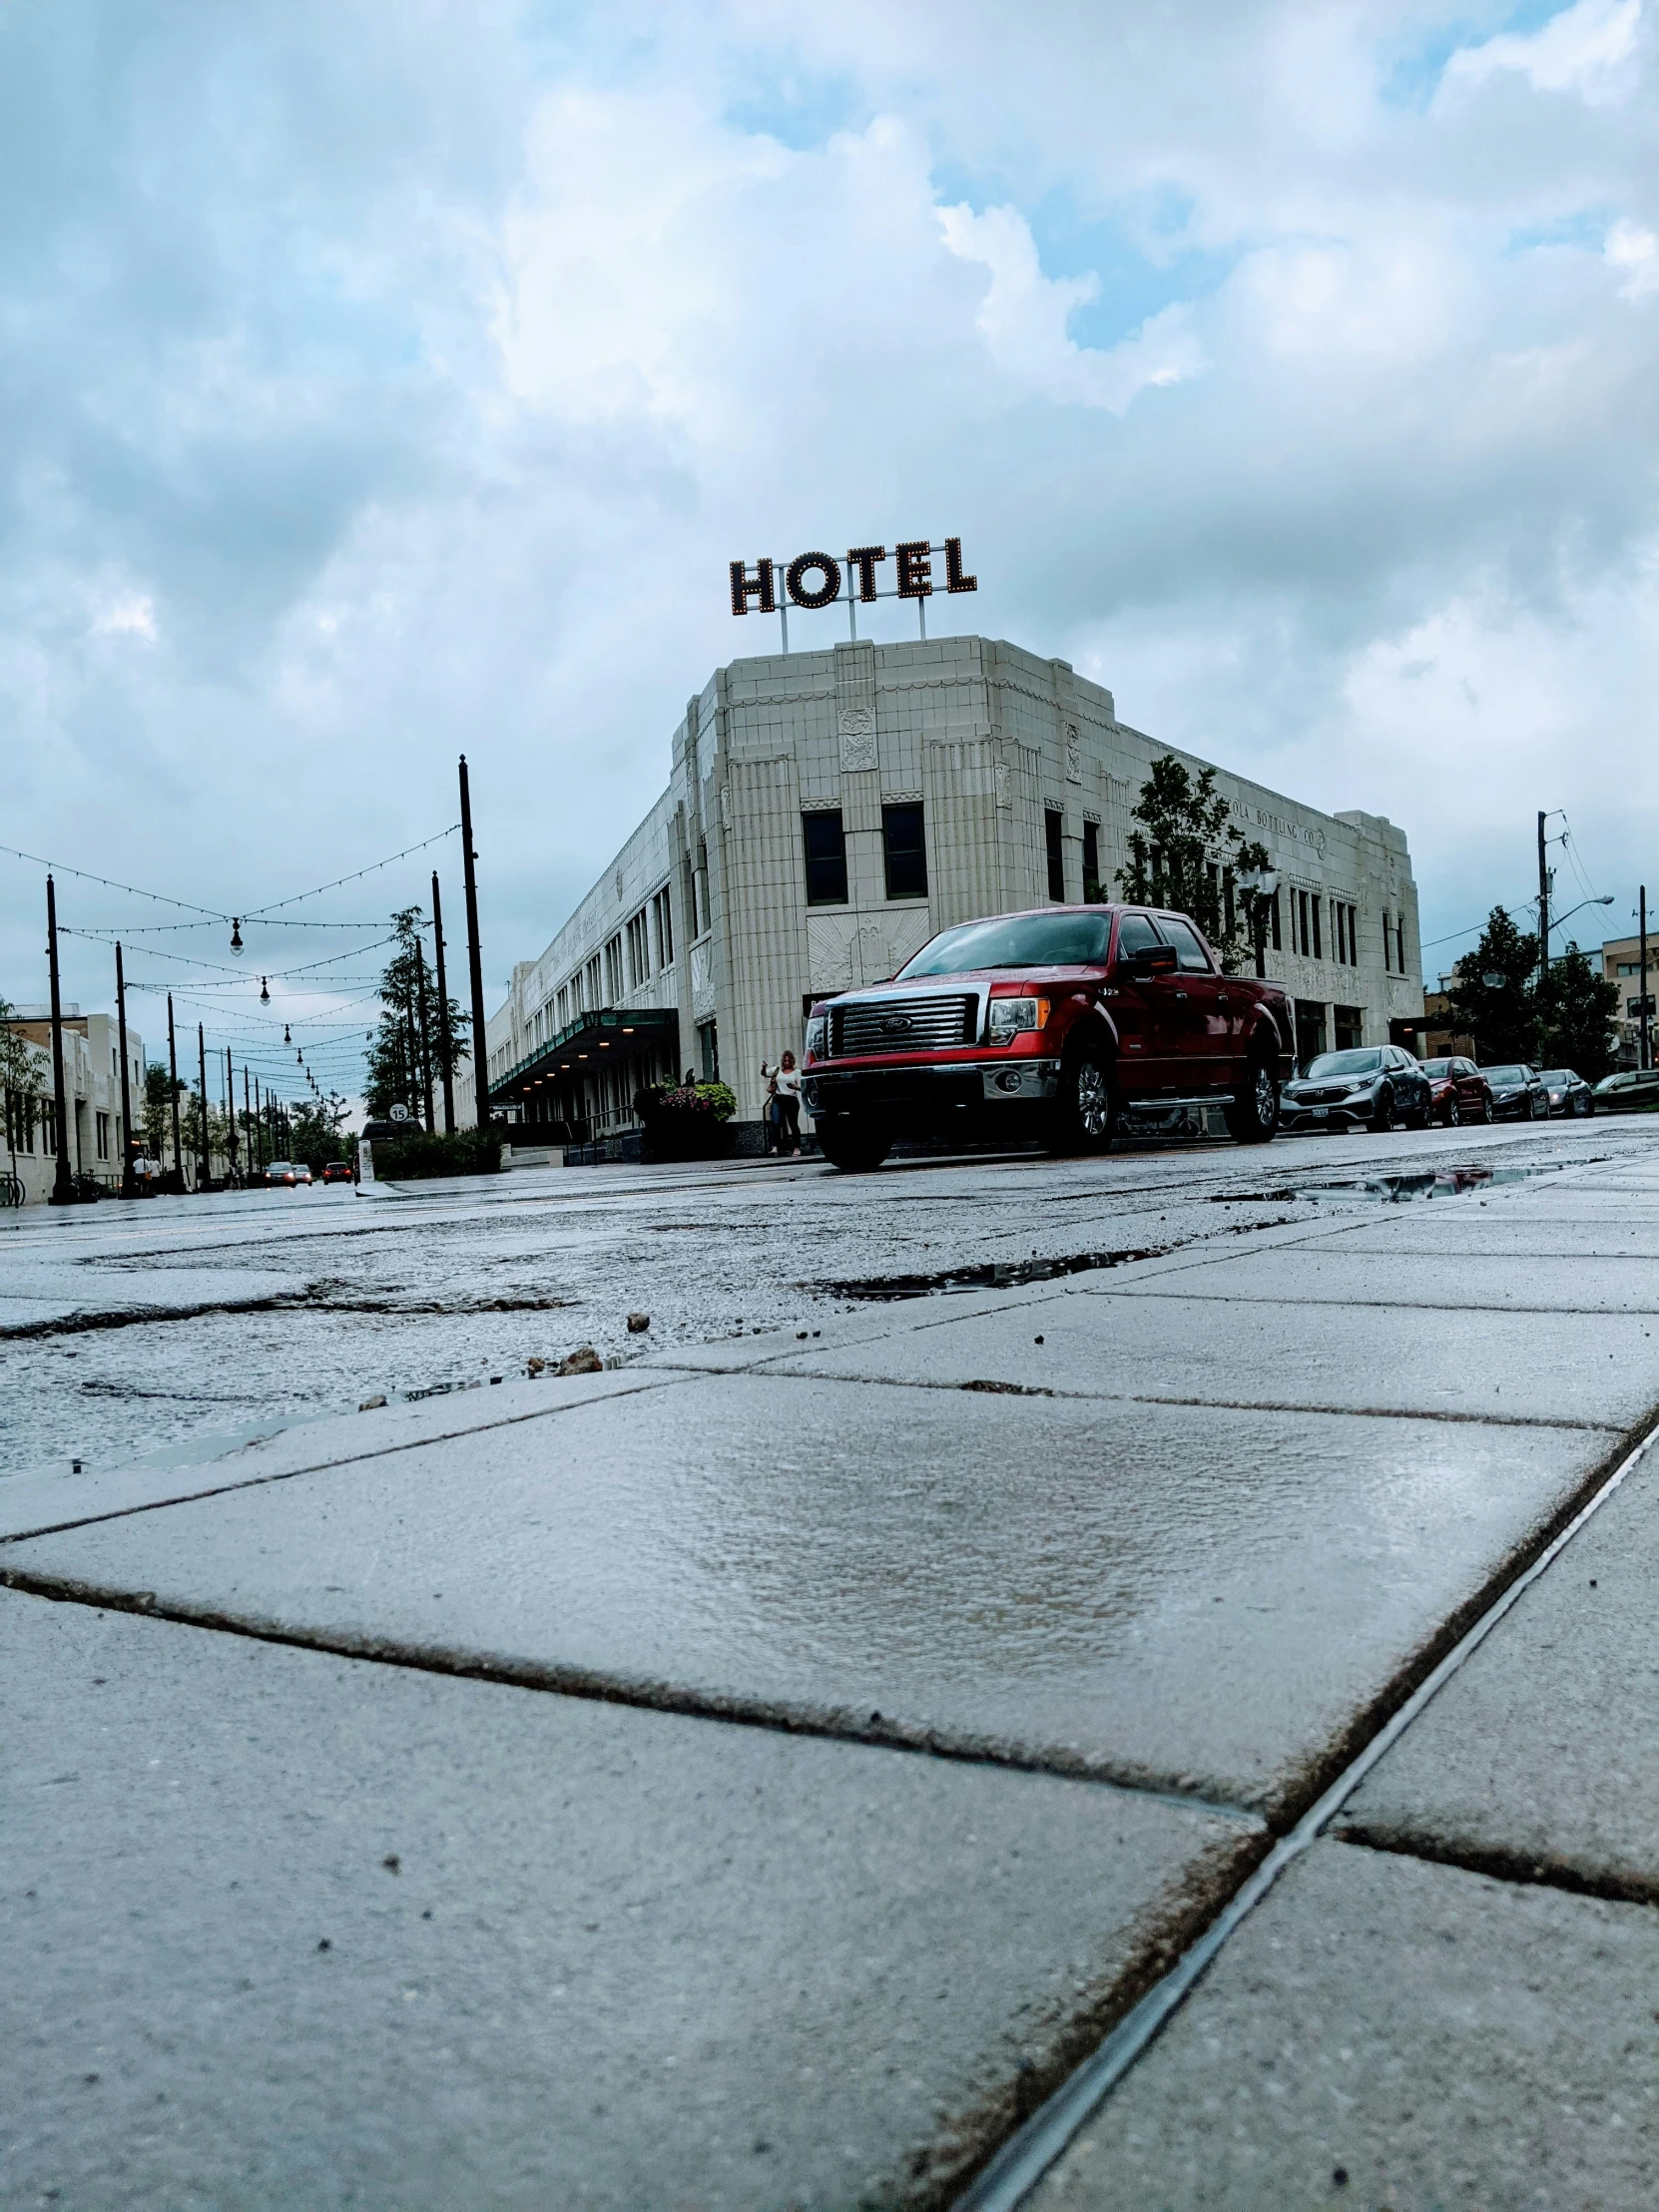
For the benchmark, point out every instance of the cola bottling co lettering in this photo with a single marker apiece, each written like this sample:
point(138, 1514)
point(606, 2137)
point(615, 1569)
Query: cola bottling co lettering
point(818, 579)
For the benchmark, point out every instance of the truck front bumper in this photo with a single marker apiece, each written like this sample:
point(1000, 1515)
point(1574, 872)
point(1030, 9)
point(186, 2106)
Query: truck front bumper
point(917, 1091)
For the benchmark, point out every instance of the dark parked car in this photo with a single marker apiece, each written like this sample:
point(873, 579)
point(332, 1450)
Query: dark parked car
point(1518, 1092)
point(1629, 1089)
point(1050, 1024)
point(339, 1171)
point(1568, 1092)
point(1378, 1086)
point(1460, 1092)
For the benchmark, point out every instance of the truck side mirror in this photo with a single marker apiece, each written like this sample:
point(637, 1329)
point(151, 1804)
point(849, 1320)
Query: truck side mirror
point(1152, 959)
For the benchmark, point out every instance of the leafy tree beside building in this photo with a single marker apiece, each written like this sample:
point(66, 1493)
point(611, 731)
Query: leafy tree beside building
point(22, 1077)
point(1566, 1020)
point(1578, 1007)
point(1187, 853)
point(408, 1051)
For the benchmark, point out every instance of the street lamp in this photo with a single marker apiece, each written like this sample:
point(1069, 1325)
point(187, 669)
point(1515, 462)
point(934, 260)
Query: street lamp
point(1259, 885)
point(1605, 900)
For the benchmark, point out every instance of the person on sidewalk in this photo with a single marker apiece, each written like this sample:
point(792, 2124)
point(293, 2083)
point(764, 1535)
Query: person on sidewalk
point(784, 1105)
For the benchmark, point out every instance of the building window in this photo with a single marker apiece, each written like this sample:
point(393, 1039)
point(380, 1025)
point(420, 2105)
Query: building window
point(1400, 942)
point(590, 987)
point(708, 1040)
point(1273, 919)
point(639, 950)
point(1319, 950)
point(826, 846)
point(1053, 826)
point(1387, 945)
point(904, 851)
point(1346, 1027)
point(561, 1007)
point(701, 920)
point(1310, 1029)
point(613, 969)
point(1092, 891)
point(662, 927)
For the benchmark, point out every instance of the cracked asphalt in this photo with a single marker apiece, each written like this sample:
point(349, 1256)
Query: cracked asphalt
point(176, 1325)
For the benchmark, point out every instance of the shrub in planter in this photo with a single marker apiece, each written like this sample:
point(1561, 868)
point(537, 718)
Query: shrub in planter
point(410, 1158)
point(687, 1121)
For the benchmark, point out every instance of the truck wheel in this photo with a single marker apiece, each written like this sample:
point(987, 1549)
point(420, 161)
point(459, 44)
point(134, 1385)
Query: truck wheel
point(852, 1146)
point(1085, 1111)
point(1253, 1114)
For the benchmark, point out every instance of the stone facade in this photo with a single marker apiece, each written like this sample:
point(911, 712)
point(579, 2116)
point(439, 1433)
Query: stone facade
point(92, 1080)
point(700, 945)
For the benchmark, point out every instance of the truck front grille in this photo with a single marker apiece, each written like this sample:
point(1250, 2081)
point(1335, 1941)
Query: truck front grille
point(919, 1025)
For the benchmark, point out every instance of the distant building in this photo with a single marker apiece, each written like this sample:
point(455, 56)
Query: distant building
point(92, 1084)
point(1621, 964)
point(827, 813)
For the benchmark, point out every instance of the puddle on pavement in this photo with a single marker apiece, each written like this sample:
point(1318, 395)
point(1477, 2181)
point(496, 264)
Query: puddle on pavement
point(1394, 1190)
point(994, 1274)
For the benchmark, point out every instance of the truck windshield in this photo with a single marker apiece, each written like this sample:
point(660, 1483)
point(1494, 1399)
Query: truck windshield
point(1016, 941)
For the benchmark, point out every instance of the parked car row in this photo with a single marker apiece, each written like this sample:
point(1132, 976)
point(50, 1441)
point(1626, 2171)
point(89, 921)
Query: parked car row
point(1077, 1023)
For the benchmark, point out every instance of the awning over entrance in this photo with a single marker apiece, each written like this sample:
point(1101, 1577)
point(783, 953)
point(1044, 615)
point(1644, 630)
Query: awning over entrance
point(584, 1049)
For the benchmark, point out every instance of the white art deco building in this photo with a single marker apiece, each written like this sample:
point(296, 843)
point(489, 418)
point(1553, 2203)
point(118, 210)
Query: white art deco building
point(828, 811)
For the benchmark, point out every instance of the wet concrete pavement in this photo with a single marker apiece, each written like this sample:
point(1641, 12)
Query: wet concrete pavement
point(819, 1742)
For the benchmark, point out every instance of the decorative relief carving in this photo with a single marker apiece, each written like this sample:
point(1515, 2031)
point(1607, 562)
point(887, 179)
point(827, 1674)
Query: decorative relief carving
point(855, 706)
point(1002, 794)
point(1074, 754)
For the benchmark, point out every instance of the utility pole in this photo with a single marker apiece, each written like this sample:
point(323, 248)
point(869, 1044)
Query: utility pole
point(425, 1038)
point(125, 1087)
point(63, 1188)
point(1542, 905)
point(446, 1053)
point(1645, 1002)
point(480, 1052)
point(231, 1112)
point(173, 1077)
point(248, 1117)
point(258, 1122)
point(207, 1174)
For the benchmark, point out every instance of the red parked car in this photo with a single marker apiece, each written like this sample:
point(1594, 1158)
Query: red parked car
point(1048, 1023)
point(1460, 1092)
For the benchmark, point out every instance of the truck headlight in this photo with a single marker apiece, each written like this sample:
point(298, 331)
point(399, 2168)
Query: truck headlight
point(818, 1037)
point(1010, 1016)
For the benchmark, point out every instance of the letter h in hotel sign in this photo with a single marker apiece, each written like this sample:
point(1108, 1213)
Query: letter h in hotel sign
point(820, 580)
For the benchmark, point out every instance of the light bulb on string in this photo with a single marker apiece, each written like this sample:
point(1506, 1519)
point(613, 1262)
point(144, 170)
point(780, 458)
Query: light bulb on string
point(236, 935)
point(265, 992)
point(286, 1039)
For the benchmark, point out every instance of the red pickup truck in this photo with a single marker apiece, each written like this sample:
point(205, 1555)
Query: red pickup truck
point(1055, 1024)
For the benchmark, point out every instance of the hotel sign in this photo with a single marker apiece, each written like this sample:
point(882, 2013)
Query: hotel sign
point(818, 579)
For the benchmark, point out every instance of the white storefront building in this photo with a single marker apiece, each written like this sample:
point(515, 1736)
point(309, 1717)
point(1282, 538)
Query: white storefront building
point(92, 1092)
point(828, 811)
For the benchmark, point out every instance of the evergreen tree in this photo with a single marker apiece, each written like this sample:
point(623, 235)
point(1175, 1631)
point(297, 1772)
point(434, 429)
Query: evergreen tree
point(1501, 1015)
point(1185, 853)
point(1576, 1009)
point(406, 1044)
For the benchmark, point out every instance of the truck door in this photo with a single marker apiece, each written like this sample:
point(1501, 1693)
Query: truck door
point(1142, 1011)
point(1203, 1014)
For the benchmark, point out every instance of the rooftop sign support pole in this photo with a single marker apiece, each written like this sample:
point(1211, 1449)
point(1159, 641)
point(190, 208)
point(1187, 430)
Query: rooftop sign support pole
point(126, 1086)
point(63, 1188)
point(480, 1045)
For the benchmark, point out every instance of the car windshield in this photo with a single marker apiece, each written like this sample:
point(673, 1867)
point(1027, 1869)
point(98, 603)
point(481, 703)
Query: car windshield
point(1560, 1077)
point(1347, 1063)
point(1504, 1075)
point(1015, 942)
point(1436, 1067)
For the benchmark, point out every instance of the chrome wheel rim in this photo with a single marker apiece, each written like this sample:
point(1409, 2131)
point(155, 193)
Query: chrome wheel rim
point(1267, 1097)
point(1094, 1105)
point(1455, 1116)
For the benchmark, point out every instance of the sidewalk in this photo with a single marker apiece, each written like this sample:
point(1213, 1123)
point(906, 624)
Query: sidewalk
point(759, 1776)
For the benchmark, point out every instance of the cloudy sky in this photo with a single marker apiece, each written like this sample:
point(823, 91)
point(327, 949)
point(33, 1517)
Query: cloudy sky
point(378, 382)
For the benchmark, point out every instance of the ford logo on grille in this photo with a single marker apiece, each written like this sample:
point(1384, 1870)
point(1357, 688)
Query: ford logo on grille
point(896, 1025)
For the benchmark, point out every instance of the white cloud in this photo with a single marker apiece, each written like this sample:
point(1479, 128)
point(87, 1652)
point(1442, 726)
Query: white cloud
point(1634, 249)
point(128, 614)
point(1588, 49)
point(1025, 317)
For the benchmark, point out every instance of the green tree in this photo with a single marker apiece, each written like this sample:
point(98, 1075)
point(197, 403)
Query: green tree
point(1500, 1014)
point(155, 1114)
point(22, 1072)
point(413, 1033)
point(1186, 852)
point(316, 1126)
point(1576, 1010)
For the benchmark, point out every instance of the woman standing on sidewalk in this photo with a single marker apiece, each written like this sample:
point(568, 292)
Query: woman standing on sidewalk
point(785, 1079)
